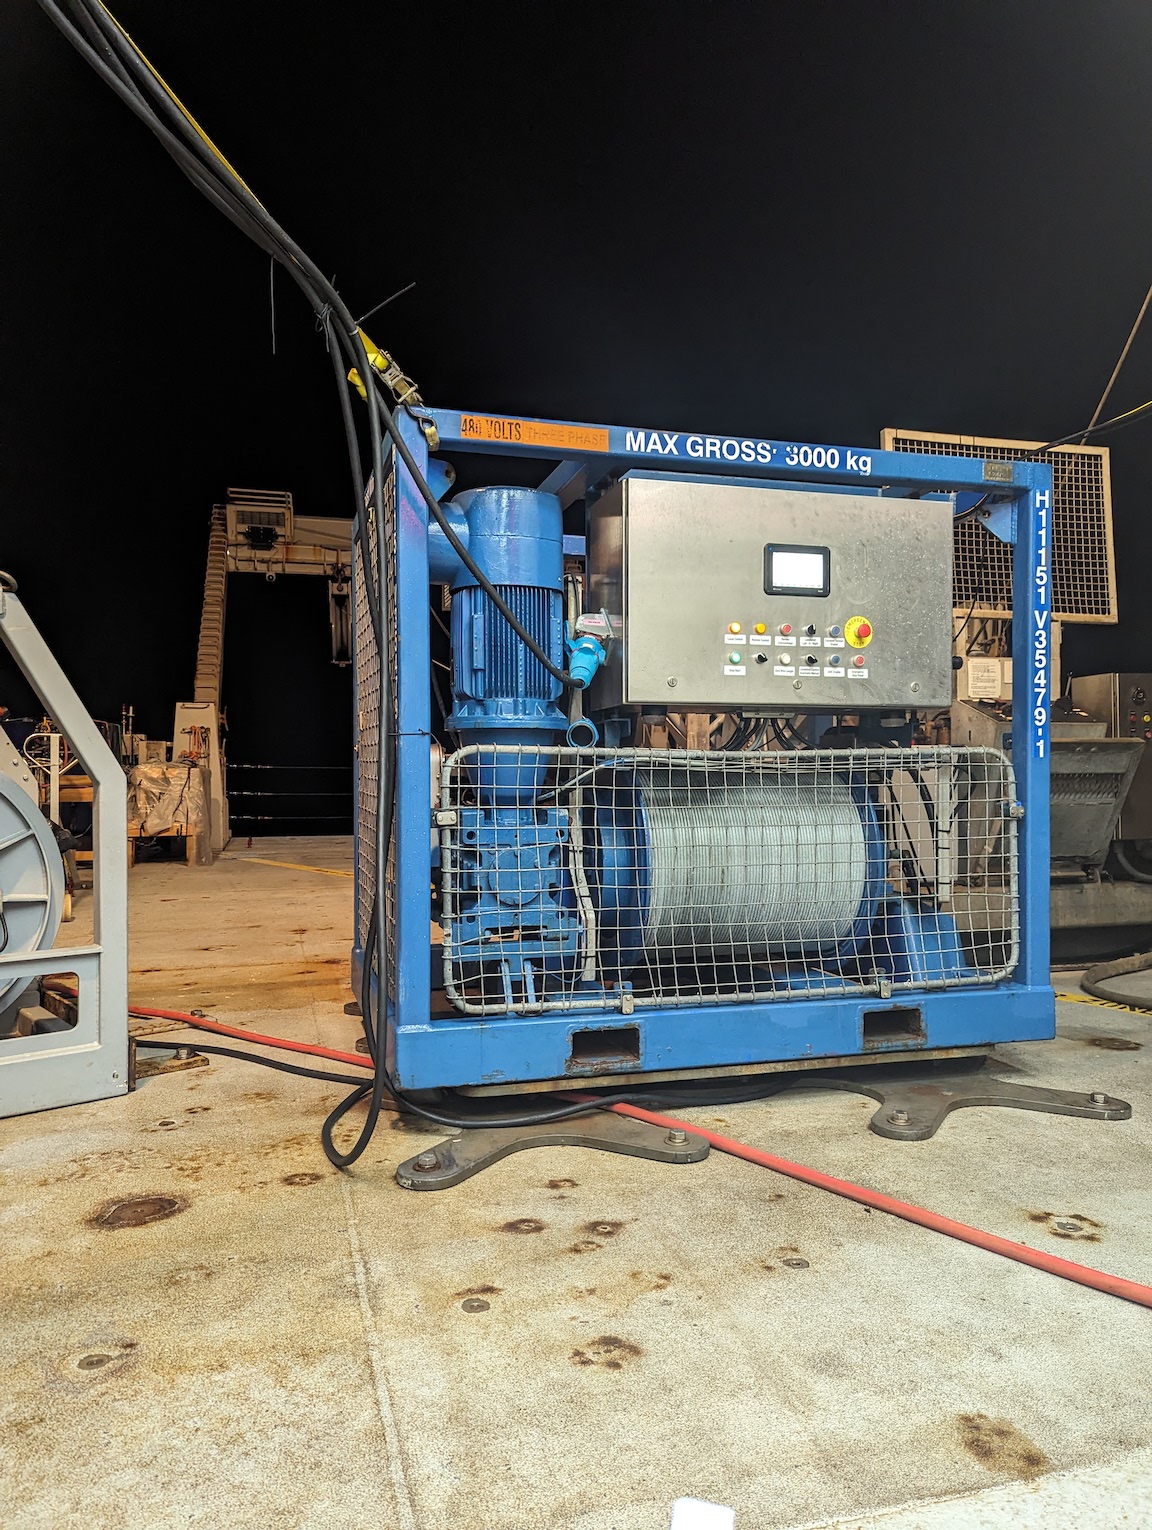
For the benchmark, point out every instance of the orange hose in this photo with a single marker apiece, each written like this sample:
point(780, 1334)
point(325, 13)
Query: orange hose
point(1051, 1264)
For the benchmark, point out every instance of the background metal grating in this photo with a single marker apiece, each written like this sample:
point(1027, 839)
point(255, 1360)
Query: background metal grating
point(1083, 562)
point(577, 879)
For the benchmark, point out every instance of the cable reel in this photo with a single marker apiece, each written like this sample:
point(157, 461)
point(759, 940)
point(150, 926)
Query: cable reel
point(31, 881)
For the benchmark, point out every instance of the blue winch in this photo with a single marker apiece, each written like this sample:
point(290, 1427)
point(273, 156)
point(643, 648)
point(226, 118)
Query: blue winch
point(700, 836)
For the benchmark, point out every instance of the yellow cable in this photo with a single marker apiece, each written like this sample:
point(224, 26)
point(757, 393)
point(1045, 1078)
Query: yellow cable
point(379, 360)
point(1127, 412)
point(174, 98)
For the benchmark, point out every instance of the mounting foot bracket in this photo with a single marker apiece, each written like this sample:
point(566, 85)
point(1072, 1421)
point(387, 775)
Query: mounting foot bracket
point(915, 1100)
point(458, 1158)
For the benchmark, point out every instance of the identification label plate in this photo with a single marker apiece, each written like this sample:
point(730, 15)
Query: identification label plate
point(579, 438)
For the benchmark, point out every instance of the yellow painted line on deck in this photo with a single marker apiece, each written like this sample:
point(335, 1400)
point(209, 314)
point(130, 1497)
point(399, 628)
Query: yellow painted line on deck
point(1086, 998)
point(323, 871)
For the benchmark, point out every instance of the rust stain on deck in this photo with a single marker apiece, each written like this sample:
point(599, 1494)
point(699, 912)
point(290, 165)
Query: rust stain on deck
point(137, 1211)
point(1000, 1446)
point(608, 1351)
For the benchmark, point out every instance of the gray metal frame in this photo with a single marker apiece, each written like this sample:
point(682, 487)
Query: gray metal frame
point(90, 1061)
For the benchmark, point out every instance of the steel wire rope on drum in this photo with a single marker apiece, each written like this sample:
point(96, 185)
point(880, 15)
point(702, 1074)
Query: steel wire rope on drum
point(753, 868)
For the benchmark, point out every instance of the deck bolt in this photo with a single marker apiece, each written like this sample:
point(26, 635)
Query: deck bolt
point(426, 1161)
point(898, 1117)
point(676, 1137)
point(1098, 1098)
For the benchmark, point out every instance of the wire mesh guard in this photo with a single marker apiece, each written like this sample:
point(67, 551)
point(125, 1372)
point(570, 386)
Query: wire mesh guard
point(1083, 571)
point(617, 878)
point(368, 681)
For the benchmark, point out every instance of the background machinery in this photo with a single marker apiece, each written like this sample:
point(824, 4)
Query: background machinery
point(256, 531)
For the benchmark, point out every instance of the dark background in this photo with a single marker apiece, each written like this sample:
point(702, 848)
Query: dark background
point(800, 221)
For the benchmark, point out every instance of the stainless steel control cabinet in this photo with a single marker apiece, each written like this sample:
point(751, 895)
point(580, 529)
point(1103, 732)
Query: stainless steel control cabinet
point(715, 592)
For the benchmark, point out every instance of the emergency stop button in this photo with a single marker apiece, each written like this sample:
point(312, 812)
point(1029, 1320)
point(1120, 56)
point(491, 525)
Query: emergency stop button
point(858, 631)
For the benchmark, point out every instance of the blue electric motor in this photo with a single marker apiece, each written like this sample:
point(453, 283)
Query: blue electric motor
point(520, 913)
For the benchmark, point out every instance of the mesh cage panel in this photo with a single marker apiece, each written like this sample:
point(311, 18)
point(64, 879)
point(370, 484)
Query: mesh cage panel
point(599, 878)
point(368, 680)
point(1083, 565)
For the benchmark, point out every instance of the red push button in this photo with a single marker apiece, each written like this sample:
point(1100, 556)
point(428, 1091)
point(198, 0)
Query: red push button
point(864, 630)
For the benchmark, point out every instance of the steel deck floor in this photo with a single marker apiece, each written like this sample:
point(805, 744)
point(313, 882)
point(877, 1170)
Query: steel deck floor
point(291, 1348)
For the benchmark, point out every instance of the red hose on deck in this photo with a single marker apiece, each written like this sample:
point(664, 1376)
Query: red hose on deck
point(1051, 1264)
point(254, 1036)
point(199, 1023)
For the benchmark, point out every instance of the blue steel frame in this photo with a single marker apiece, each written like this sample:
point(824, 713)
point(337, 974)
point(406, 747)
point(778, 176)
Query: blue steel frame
point(425, 1053)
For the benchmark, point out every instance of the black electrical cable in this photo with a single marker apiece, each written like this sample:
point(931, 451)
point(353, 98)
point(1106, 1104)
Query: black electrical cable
point(972, 509)
point(1118, 421)
point(461, 551)
point(782, 738)
point(686, 1096)
point(440, 622)
point(231, 197)
point(742, 734)
point(438, 694)
point(296, 261)
point(246, 212)
point(264, 1062)
point(957, 635)
point(925, 797)
point(118, 62)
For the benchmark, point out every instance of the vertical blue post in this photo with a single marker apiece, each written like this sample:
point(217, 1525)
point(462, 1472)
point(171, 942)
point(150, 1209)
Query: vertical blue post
point(1031, 709)
point(413, 777)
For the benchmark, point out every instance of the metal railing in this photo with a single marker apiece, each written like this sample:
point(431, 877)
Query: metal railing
point(279, 791)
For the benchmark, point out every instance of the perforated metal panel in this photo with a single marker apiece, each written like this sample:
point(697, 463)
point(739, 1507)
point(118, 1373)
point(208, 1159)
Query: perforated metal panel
point(655, 877)
point(1083, 563)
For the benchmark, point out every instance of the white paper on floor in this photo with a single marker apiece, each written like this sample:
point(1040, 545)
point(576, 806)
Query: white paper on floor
point(695, 1514)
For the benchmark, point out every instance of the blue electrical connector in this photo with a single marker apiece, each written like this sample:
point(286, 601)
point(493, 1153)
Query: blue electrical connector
point(585, 657)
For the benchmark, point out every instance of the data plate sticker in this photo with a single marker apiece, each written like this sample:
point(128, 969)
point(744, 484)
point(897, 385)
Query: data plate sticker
point(581, 438)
